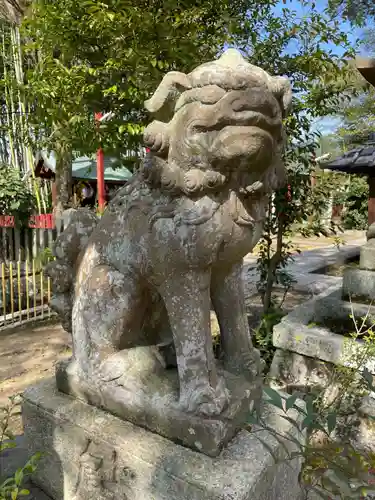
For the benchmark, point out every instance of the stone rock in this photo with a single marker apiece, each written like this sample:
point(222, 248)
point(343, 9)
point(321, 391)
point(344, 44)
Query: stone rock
point(303, 332)
point(370, 234)
point(172, 242)
point(291, 372)
point(359, 284)
point(367, 407)
point(305, 360)
point(90, 454)
point(367, 256)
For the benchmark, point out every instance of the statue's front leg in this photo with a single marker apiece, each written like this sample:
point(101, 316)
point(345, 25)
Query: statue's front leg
point(227, 296)
point(106, 316)
point(187, 297)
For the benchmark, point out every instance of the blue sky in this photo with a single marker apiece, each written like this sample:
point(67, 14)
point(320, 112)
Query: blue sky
point(327, 124)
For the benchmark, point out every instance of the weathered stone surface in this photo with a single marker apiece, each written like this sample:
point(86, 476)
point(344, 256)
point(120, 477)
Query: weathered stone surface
point(370, 234)
point(78, 225)
point(297, 332)
point(367, 407)
point(147, 395)
point(367, 256)
point(358, 283)
point(92, 455)
point(308, 352)
point(172, 241)
point(365, 438)
point(291, 372)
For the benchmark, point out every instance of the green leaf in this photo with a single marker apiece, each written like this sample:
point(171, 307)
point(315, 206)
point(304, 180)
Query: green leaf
point(331, 422)
point(290, 402)
point(308, 421)
point(253, 419)
point(7, 445)
point(274, 397)
point(18, 477)
point(295, 423)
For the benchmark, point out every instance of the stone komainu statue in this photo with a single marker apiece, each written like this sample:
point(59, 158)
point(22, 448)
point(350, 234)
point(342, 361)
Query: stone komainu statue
point(171, 242)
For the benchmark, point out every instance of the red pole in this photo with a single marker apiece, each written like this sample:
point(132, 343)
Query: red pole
point(100, 172)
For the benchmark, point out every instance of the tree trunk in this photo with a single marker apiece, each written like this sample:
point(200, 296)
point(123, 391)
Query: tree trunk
point(272, 269)
point(13, 10)
point(63, 181)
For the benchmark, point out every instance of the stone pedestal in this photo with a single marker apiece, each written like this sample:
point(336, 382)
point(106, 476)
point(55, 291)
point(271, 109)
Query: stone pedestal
point(367, 256)
point(91, 454)
point(359, 283)
point(308, 352)
point(137, 388)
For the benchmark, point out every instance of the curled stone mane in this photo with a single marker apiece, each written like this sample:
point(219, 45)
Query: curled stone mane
point(171, 178)
point(186, 165)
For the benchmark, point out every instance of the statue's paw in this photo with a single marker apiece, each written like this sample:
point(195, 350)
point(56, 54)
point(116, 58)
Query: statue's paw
point(249, 365)
point(112, 367)
point(70, 369)
point(205, 399)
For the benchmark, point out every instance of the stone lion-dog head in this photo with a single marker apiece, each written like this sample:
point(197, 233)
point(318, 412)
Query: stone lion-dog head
point(220, 124)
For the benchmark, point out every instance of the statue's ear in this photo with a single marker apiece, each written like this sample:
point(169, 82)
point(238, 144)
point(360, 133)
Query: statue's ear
point(283, 91)
point(162, 103)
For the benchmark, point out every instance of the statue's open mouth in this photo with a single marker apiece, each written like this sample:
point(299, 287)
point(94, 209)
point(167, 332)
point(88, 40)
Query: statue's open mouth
point(252, 143)
point(241, 126)
point(243, 119)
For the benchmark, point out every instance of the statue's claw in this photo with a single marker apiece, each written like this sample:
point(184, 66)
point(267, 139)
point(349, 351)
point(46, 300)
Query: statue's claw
point(205, 399)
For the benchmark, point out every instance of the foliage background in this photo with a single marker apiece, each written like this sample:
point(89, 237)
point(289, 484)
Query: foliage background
point(15, 197)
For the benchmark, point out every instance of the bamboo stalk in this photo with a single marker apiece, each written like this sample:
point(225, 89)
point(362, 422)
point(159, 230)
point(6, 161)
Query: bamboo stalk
point(49, 295)
point(19, 289)
point(3, 283)
point(27, 289)
point(34, 287)
point(14, 159)
point(42, 291)
point(11, 284)
point(27, 152)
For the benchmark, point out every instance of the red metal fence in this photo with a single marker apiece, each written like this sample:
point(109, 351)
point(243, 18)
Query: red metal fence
point(45, 221)
point(24, 243)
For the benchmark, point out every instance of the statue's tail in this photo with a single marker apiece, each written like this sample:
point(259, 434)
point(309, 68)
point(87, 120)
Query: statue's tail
point(78, 226)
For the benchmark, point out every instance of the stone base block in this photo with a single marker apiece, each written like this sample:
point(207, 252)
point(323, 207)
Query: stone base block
point(291, 372)
point(367, 256)
point(304, 331)
point(147, 394)
point(91, 454)
point(358, 284)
